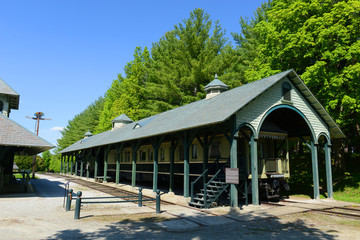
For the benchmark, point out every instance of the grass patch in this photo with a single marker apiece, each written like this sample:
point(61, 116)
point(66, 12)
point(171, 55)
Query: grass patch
point(348, 188)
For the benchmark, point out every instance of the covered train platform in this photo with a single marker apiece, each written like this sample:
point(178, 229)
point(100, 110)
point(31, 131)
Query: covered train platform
point(245, 129)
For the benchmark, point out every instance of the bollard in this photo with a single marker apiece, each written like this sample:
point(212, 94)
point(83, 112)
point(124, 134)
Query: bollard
point(140, 197)
point(78, 205)
point(158, 201)
point(68, 200)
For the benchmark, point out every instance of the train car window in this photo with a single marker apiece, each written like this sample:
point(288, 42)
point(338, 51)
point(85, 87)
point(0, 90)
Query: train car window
point(127, 156)
point(194, 151)
point(162, 154)
point(181, 152)
point(215, 150)
point(143, 155)
point(150, 154)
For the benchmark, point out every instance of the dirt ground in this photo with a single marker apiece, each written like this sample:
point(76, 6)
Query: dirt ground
point(42, 216)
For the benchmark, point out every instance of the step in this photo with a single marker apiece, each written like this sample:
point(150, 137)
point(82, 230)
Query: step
point(201, 196)
point(209, 191)
point(201, 200)
point(214, 186)
point(219, 182)
point(200, 205)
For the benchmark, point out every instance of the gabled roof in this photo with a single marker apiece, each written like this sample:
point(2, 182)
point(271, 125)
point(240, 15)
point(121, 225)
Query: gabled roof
point(14, 96)
point(13, 134)
point(203, 112)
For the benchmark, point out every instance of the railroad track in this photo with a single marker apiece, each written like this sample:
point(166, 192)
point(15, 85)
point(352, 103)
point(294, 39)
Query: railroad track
point(344, 212)
point(109, 189)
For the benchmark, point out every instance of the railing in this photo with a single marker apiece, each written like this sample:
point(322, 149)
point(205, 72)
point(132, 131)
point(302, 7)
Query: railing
point(194, 182)
point(206, 185)
point(79, 201)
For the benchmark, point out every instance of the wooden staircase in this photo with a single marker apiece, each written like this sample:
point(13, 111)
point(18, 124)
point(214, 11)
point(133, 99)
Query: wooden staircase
point(209, 194)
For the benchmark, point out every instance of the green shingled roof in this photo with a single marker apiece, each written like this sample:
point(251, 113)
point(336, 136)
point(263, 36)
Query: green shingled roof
point(200, 113)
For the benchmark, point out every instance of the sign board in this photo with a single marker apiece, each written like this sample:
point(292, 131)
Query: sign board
point(232, 175)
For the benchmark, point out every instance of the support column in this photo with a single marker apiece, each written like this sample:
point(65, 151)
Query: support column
point(67, 164)
point(135, 147)
point(327, 149)
point(187, 142)
point(71, 164)
point(106, 163)
point(172, 160)
point(76, 163)
point(118, 156)
point(315, 170)
point(254, 171)
point(234, 193)
point(82, 163)
point(88, 163)
point(156, 145)
point(97, 162)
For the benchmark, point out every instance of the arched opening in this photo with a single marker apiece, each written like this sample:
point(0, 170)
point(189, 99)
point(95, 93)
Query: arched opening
point(324, 162)
point(287, 152)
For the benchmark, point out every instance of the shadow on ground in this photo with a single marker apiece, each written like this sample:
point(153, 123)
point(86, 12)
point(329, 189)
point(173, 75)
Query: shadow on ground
point(147, 228)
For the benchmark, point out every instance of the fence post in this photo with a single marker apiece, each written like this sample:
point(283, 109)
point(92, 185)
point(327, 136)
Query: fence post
point(78, 205)
point(158, 201)
point(140, 197)
point(68, 200)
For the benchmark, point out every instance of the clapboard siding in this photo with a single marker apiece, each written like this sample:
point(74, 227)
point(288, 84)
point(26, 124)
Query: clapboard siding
point(255, 110)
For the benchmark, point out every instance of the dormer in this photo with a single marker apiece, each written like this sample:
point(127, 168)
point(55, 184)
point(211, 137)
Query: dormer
point(120, 121)
point(215, 87)
point(9, 99)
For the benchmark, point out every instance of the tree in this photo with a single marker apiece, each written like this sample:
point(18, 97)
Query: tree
point(185, 60)
point(320, 41)
point(47, 159)
point(80, 124)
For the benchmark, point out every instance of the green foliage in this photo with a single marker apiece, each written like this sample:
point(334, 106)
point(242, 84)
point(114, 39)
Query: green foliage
point(83, 122)
point(320, 40)
point(47, 159)
point(348, 188)
point(185, 60)
point(55, 163)
point(25, 163)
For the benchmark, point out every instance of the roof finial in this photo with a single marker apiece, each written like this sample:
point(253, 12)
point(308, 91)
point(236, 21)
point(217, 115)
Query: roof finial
point(215, 76)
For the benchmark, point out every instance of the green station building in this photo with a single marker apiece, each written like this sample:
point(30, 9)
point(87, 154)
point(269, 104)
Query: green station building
point(234, 142)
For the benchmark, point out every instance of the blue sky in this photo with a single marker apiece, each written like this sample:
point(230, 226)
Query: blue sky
point(60, 56)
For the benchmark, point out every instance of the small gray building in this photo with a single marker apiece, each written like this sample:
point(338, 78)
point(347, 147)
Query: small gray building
point(14, 139)
point(234, 140)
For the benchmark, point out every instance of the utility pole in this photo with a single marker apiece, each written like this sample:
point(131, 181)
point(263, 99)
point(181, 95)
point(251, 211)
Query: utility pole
point(37, 116)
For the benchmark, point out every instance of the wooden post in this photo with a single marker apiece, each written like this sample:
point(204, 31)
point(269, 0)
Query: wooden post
point(106, 162)
point(82, 163)
point(88, 163)
point(97, 162)
point(327, 149)
point(254, 171)
point(71, 164)
point(315, 170)
point(172, 160)
point(156, 145)
point(76, 163)
point(118, 156)
point(187, 140)
point(135, 147)
point(234, 193)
